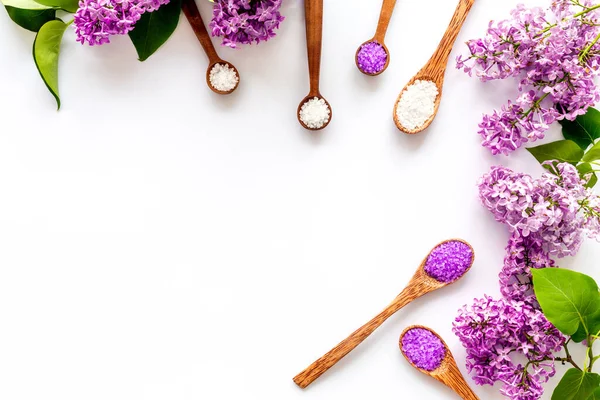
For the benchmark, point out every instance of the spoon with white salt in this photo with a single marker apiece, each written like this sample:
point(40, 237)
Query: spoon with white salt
point(419, 101)
point(445, 264)
point(221, 76)
point(314, 112)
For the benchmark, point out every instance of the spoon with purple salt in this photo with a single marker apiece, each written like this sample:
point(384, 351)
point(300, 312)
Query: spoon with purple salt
point(426, 351)
point(445, 264)
point(373, 57)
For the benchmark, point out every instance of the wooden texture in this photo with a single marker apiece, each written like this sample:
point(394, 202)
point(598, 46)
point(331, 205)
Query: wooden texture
point(435, 69)
point(190, 10)
point(387, 9)
point(448, 372)
point(419, 285)
point(314, 37)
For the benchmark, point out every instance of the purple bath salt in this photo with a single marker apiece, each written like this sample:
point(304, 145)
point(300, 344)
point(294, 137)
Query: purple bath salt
point(424, 349)
point(371, 58)
point(449, 261)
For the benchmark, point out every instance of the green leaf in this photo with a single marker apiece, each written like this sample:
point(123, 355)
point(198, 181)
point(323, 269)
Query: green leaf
point(584, 130)
point(580, 335)
point(585, 169)
point(24, 4)
point(67, 5)
point(153, 29)
point(595, 395)
point(593, 326)
point(568, 299)
point(46, 49)
point(592, 154)
point(563, 151)
point(576, 385)
point(31, 20)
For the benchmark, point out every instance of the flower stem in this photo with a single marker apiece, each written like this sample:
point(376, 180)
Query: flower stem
point(535, 105)
point(587, 10)
point(579, 14)
point(568, 358)
point(591, 353)
point(587, 49)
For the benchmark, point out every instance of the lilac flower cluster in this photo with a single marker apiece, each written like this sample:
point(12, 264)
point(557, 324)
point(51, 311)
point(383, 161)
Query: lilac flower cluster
point(555, 211)
point(493, 331)
point(548, 217)
point(97, 20)
point(554, 55)
point(245, 21)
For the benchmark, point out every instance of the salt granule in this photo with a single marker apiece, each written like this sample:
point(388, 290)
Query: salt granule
point(424, 349)
point(223, 78)
point(417, 104)
point(315, 113)
point(449, 261)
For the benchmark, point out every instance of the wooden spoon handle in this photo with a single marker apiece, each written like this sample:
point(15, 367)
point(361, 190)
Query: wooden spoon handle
point(314, 37)
point(190, 9)
point(466, 392)
point(455, 380)
point(318, 368)
point(387, 9)
point(439, 60)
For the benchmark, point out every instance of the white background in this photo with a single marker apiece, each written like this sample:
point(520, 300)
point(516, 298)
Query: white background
point(160, 242)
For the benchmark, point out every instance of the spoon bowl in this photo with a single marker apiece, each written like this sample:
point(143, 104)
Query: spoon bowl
point(421, 76)
point(304, 101)
point(420, 284)
point(387, 61)
point(230, 65)
point(447, 372)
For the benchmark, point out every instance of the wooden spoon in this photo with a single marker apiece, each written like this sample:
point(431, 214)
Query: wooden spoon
point(435, 68)
point(447, 373)
point(420, 284)
point(190, 9)
point(387, 9)
point(314, 37)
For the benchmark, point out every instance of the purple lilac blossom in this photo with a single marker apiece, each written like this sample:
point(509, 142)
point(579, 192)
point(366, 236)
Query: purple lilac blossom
point(449, 261)
point(492, 331)
point(97, 20)
point(556, 210)
point(547, 217)
point(554, 57)
point(423, 348)
point(522, 254)
point(245, 21)
point(371, 58)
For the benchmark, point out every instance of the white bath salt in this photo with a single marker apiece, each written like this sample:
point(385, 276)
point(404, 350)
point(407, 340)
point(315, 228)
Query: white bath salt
point(417, 104)
point(315, 113)
point(223, 78)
